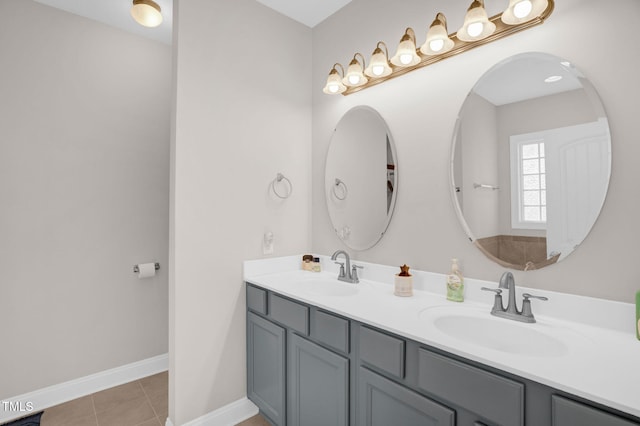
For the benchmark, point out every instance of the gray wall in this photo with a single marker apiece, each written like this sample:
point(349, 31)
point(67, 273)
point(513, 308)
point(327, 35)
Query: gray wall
point(421, 108)
point(84, 187)
point(243, 114)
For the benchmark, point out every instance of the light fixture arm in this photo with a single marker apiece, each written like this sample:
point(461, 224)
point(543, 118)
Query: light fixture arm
point(361, 57)
point(386, 49)
point(409, 34)
point(440, 20)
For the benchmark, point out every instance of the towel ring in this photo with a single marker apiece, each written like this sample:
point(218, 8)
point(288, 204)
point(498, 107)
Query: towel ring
point(279, 178)
point(345, 191)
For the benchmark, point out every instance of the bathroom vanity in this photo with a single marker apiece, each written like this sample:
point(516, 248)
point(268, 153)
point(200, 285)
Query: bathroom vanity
point(324, 353)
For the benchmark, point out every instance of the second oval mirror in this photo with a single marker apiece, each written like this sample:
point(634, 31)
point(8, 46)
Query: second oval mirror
point(531, 161)
point(361, 178)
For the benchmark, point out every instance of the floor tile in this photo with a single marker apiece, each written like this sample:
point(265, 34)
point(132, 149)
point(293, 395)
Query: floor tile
point(257, 420)
point(114, 397)
point(127, 413)
point(67, 413)
point(157, 389)
point(152, 422)
point(158, 384)
point(89, 420)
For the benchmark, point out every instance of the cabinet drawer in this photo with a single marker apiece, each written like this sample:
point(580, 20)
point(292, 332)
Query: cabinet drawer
point(257, 299)
point(493, 397)
point(382, 351)
point(332, 330)
point(292, 314)
point(565, 412)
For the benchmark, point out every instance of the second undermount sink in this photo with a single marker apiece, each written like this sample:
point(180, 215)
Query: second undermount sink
point(481, 329)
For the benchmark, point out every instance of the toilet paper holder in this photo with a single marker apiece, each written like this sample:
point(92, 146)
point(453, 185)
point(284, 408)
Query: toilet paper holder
point(136, 269)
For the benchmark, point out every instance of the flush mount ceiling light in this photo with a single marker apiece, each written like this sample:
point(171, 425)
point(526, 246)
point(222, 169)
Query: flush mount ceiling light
point(146, 13)
point(476, 31)
point(553, 78)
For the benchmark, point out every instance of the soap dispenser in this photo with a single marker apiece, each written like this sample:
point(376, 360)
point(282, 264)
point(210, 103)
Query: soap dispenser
point(455, 283)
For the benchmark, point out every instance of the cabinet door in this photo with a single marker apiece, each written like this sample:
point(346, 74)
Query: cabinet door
point(570, 413)
point(382, 402)
point(318, 389)
point(266, 367)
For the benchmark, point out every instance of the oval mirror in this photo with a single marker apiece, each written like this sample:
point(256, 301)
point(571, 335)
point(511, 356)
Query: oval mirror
point(531, 161)
point(361, 178)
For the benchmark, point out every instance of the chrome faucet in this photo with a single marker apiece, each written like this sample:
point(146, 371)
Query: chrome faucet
point(350, 275)
point(507, 282)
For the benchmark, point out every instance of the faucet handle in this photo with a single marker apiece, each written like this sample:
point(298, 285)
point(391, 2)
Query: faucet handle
point(354, 272)
point(526, 305)
point(497, 300)
point(342, 274)
point(528, 296)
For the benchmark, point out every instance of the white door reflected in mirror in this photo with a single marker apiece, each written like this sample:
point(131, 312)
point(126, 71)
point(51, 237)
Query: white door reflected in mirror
point(545, 144)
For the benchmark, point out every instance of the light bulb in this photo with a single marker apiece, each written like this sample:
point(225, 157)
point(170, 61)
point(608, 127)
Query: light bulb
point(354, 79)
point(406, 58)
point(474, 29)
point(333, 88)
point(436, 45)
point(522, 9)
point(377, 69)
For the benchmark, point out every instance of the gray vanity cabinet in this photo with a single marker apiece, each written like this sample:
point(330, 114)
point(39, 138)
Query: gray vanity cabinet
point(310, 367)
point(266, 367)
point(566, 412)
point(318, 385)
point(382, 402)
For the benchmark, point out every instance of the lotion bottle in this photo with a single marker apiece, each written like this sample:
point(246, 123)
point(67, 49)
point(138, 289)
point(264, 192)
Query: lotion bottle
point(455, 283)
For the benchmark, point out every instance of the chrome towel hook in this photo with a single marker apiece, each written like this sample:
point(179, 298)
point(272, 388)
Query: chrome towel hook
point(279, 178)
point(345, 191)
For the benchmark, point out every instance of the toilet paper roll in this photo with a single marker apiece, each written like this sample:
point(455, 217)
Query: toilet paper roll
point(146, 270)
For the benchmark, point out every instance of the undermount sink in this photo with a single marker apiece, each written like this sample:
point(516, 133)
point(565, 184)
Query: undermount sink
point(328, 288)
point(481, 329)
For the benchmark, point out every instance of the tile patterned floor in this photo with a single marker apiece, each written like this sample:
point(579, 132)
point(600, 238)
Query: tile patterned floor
point(142, 402)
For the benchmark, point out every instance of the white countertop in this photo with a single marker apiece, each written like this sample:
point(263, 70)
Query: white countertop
point(602, 362)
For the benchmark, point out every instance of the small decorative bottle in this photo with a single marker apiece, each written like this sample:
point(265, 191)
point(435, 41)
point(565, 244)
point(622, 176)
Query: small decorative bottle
point(403, 283)
point(455, 283)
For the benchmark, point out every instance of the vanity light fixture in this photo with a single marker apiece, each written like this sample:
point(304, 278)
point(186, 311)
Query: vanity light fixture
point(477, 30)
point(334, 81)
point(520, 11)
point(438, 40)
point(476, 23)
point(406, 54)
point(354, 76)
point(146, 13)
point(379, 62)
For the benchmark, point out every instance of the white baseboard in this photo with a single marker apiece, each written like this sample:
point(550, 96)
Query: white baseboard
point(57, 394)
point(229, 415)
